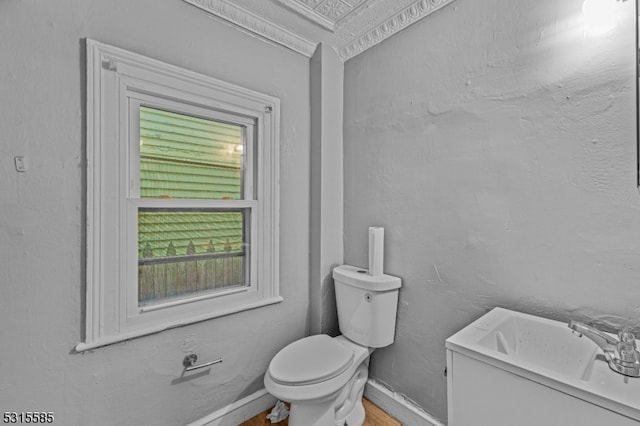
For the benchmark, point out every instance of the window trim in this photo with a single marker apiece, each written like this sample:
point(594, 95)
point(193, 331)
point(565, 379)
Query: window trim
point(112, 73)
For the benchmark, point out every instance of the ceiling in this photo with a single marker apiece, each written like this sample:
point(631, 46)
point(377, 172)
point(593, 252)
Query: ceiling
point(348, 26)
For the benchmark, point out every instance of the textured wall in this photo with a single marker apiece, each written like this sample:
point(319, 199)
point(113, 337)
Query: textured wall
point(495, 141)
point(42, 218)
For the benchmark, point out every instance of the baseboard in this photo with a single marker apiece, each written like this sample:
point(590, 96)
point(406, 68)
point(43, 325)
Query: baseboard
point(238, 411)
point(398, 406)
point(391, 402)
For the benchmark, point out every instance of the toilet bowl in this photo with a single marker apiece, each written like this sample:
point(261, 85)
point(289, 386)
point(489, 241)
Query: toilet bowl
point(323, 377)
point(320, 375)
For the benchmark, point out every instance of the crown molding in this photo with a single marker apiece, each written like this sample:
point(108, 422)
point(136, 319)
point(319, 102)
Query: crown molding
point(343, 42)
point(255, 24)
point(390, 26)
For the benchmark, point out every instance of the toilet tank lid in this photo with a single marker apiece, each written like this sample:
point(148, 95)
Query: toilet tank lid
point(359, 277)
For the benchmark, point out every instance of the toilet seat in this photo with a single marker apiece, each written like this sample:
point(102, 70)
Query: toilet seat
point(313, 359)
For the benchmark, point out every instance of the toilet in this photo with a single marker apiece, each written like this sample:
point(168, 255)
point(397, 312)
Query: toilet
point(323, 377)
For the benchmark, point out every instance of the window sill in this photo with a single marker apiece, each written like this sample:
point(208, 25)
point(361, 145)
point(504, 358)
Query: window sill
point(121, 337)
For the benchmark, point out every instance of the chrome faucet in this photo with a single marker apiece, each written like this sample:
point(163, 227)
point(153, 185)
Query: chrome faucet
point(621, 353)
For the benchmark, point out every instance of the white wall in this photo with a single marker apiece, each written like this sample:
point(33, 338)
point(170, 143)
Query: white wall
point(496, 144)
point(42, 217)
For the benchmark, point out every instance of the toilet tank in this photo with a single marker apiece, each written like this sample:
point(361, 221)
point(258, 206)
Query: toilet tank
point(367, 305)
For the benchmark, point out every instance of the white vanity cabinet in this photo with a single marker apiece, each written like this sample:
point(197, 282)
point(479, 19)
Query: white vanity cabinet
point(481, 394)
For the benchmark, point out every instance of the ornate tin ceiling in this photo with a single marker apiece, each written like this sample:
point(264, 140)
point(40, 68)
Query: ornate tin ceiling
point(326, 13)
point(349, 26)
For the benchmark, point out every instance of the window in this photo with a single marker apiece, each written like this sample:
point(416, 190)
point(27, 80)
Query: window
point(182, 197)
point(187, 252)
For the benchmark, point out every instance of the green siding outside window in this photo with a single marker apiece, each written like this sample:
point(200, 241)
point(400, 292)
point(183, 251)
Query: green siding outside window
point(188, 157)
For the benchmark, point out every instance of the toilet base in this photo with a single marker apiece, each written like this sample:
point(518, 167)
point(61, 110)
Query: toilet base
point(355, 417)
point(344, 409)
point(349, 408)
point(321, 414)
point(324, 415)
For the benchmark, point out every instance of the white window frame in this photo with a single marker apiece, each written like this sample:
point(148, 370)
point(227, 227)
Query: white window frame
point(118, 81)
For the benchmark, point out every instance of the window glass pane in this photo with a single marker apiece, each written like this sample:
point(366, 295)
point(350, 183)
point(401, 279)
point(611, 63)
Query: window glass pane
point(189, 157)
point(189, 252)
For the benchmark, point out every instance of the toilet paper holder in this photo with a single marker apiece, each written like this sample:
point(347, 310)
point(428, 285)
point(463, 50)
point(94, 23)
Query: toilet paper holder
point(189, 362)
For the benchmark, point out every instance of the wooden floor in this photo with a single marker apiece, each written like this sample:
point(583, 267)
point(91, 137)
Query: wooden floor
point(374, 417)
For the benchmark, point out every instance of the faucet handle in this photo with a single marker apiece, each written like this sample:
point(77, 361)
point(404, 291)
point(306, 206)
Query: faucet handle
point(626, 350)
point(626, 335)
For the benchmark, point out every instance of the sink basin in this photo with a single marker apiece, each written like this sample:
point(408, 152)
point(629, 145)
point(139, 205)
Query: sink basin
point(548, 352)
point(535, 342)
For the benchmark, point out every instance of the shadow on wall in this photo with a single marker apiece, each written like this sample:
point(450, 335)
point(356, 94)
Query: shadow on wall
point(329, 308)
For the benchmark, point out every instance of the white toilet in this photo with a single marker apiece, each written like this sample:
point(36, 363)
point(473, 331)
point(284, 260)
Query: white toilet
point(323, 377)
